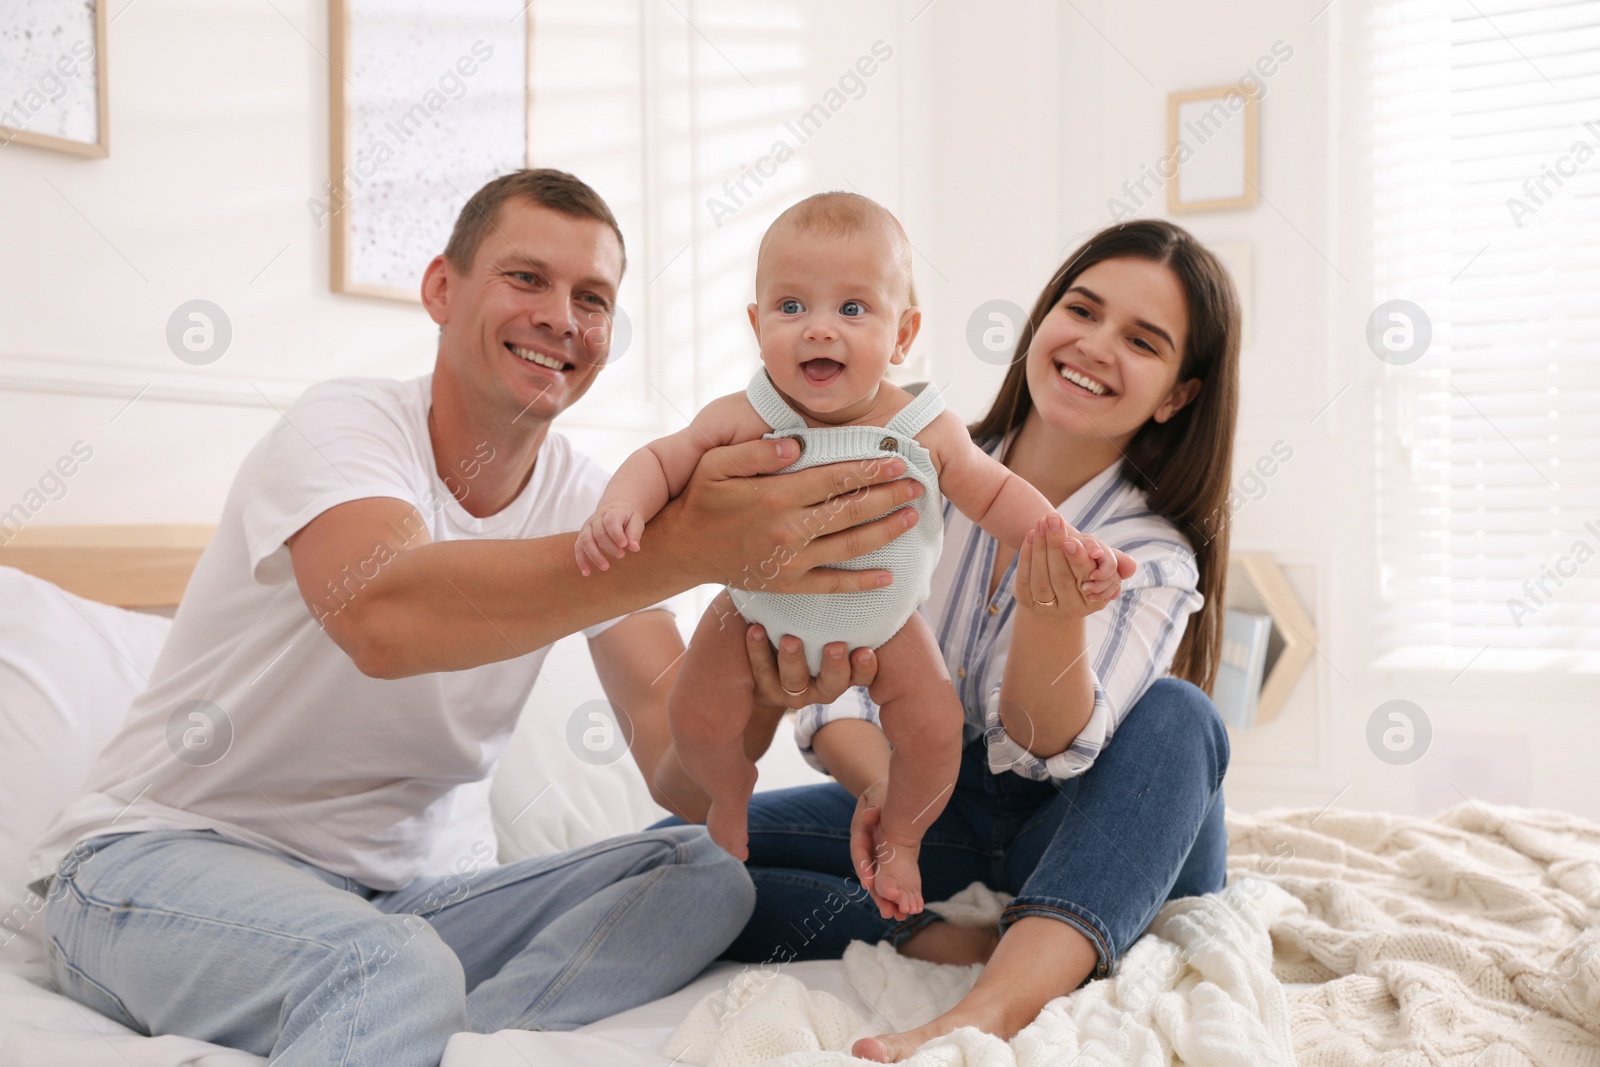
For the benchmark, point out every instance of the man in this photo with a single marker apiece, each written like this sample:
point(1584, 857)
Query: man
point(287, 848)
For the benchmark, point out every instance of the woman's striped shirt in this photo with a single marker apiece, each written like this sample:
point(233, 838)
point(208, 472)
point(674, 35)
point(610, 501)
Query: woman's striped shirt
point(1132, 642)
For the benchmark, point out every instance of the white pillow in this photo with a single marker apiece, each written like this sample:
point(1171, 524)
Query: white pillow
point(581, 799)
point(69, 668)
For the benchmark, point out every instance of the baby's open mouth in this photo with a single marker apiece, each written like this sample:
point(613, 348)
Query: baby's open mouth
point(821, 371)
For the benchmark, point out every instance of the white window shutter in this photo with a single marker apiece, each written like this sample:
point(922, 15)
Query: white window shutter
point(1485, 147)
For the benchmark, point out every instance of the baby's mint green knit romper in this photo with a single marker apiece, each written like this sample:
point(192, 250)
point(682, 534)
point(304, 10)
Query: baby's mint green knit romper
point(870, 618)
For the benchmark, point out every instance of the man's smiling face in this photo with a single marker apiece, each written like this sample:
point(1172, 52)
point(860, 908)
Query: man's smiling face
point(525, 331)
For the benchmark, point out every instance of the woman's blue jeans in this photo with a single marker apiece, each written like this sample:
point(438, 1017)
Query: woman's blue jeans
point(1102, 851)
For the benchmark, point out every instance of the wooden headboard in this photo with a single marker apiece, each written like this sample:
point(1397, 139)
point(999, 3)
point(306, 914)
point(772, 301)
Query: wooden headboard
point(129, 566)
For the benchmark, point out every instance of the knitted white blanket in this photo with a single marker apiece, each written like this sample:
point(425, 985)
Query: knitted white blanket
point(1199, 989)
point(1470, 939)
point(1473, 938)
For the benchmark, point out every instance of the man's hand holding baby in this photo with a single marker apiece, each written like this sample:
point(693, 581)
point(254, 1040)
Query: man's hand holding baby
point(723, 523)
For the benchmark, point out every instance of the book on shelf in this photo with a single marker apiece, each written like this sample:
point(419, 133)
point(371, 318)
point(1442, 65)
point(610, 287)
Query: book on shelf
point(1237, 691)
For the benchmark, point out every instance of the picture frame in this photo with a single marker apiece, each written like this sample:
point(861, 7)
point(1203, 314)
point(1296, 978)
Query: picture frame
point(60, 96)
point(426, 103)
point(1214, 141)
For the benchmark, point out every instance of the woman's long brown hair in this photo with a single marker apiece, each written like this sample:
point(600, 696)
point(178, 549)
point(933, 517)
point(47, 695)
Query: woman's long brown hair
point(1185, 464)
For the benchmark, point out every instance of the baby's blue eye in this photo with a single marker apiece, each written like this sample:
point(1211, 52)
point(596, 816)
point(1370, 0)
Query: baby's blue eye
point(852, 308)
point(790, 307)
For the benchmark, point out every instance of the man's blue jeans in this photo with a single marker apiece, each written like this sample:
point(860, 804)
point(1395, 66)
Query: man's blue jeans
point(1102, 851)
point(188, 932)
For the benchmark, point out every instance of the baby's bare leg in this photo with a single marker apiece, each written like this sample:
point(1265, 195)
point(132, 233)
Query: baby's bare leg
point(708, 709)
point(922, 717)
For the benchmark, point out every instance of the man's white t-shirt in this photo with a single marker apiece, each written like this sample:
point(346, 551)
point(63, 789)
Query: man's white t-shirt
point(295, 749)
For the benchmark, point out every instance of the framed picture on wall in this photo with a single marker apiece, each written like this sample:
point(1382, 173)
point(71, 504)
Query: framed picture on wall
point(53, 76)
point(1214, 136)
point(428, 101)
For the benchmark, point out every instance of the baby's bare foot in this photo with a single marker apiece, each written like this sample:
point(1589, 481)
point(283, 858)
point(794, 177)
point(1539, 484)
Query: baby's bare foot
point(728, 822)
point(898, 882)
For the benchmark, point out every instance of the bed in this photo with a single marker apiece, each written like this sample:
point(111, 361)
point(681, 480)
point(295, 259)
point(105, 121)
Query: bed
point(1343, 937)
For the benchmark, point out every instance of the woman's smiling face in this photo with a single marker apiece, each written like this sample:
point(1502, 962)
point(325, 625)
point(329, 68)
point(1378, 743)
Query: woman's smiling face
point(1106, 357)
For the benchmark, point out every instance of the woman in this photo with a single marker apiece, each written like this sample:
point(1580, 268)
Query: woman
point(1120, 408)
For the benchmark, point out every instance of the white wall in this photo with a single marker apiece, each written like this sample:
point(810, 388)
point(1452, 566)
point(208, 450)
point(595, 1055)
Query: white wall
point(1070, 111)
point(219, 139)
point(1055, 107)
point(997, 131)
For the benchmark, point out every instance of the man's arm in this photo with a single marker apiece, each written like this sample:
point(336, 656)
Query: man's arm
point(637, 661)
point(457, 604)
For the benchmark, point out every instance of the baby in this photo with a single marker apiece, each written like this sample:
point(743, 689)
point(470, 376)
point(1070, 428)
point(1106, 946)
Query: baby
point(832, 312)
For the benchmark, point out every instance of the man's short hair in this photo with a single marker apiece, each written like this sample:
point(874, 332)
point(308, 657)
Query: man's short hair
point(554, 189)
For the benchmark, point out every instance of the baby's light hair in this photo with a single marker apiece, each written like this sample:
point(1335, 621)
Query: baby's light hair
point(843, 214)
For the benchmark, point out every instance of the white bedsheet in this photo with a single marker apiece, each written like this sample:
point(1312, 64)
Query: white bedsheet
point(633, 1038)
point(41, 1028)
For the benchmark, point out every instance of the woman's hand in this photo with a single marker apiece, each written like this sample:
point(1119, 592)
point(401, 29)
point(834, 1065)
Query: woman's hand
point(783, 681)
point(864, 835)
point(1062, 574)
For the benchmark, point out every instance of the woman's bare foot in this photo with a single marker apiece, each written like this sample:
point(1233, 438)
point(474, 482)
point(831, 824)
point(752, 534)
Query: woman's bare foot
point(891, 1048)
point(1038, 960)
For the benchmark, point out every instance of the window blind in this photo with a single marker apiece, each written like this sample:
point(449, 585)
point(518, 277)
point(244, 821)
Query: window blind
point(1485, 201)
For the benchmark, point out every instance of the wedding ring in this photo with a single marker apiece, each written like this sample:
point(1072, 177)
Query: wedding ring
point(791, 692)
point(1046, 603)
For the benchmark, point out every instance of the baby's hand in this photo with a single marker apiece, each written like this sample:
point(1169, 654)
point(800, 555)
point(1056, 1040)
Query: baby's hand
point(1104, 583)
point(1061, 572)
point(615, 528)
